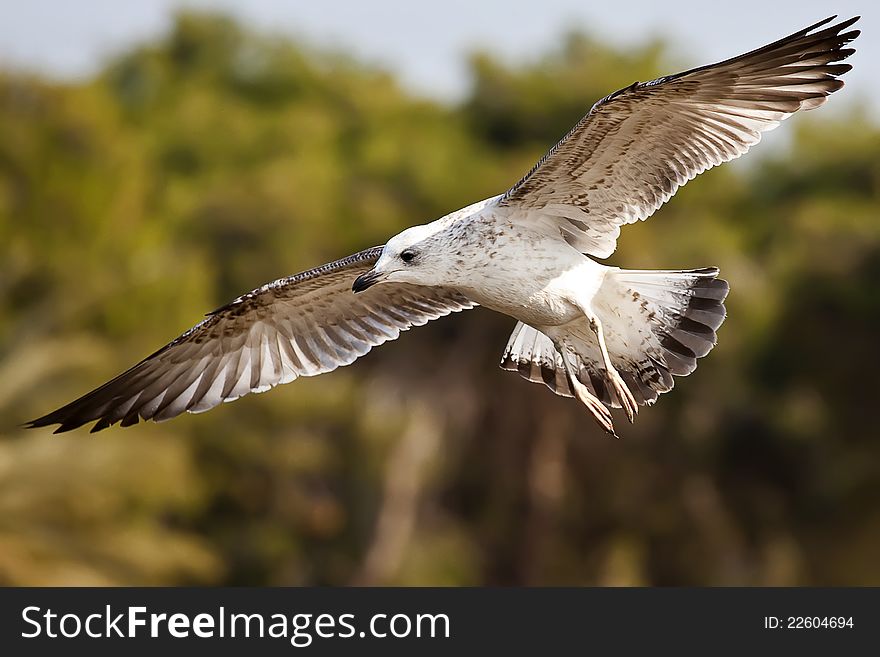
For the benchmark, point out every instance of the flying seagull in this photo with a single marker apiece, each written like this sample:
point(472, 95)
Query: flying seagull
point(610, 337)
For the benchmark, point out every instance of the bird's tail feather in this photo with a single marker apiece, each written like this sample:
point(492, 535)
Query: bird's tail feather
point(656, 324)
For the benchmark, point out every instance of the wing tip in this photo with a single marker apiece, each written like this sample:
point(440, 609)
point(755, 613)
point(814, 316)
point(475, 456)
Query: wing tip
point(842, 25)
point(67, 422)
point(44, 421)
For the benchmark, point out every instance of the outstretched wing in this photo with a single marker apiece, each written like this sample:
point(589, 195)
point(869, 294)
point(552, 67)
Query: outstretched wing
point(636, 147)
point(302, 325)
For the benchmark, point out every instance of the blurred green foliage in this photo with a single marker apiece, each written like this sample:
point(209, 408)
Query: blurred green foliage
point(209, 162)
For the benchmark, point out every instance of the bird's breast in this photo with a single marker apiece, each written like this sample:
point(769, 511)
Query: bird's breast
point(534, 281)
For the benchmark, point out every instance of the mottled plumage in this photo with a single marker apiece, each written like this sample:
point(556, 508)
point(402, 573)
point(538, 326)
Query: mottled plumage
point(302, 325)
point(610, 337)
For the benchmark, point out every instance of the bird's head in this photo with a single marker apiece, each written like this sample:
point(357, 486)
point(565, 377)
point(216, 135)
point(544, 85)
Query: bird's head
point(413, 256)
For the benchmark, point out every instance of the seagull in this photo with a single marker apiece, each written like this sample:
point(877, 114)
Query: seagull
point(609, 337)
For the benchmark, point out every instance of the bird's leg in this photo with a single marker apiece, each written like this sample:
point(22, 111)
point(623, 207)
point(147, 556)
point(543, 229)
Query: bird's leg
point(599, 411)
point(624, 396)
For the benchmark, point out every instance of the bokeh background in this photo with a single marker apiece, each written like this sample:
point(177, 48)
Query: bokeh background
point(183, 165)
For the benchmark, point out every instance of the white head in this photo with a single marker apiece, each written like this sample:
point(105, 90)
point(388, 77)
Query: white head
point(417, 256)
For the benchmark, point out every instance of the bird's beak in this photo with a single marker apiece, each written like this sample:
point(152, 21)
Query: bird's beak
point(367, 280)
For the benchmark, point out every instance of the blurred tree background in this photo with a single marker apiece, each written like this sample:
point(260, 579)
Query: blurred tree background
point(215, 159)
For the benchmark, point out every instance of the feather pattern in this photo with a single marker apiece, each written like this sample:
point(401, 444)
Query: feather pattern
point(302, 325)
point(663, 322)
point(637, 146)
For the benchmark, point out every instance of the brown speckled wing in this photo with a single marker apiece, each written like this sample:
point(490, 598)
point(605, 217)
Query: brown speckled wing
point(637, 146)
point(302, 325)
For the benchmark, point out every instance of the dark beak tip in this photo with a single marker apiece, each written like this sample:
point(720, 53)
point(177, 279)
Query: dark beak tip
point(364, 281)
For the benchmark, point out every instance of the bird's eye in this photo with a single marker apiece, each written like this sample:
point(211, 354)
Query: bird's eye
point(408, 255)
